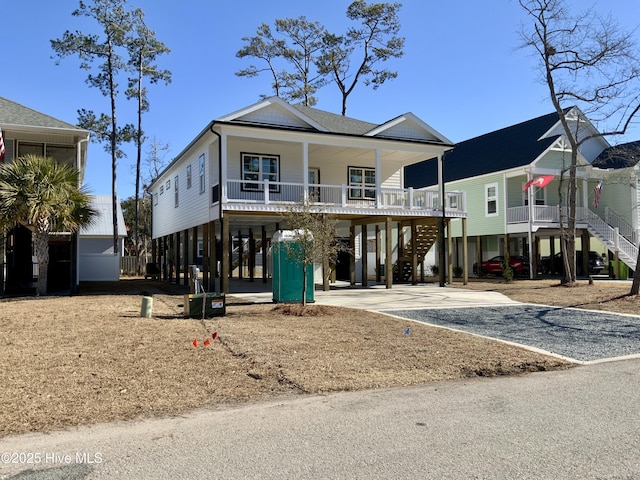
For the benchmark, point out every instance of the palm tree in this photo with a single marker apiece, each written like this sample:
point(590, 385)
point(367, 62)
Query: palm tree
point(43, 195)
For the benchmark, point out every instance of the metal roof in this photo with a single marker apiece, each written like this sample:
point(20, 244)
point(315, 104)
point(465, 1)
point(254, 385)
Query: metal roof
point(102, 225)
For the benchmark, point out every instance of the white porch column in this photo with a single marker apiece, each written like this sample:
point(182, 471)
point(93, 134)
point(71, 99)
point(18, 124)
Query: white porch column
point(378, 177)
point(305, 170)
point(223, 168)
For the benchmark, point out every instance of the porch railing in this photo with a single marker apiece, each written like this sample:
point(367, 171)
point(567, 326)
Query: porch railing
point(626, 230)
point(610, 235)
point(266, 192)
point(548, 214)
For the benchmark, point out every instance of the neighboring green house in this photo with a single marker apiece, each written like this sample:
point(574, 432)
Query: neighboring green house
point(492, 170)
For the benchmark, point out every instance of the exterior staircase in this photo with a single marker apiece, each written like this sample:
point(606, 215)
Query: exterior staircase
point(237, 260)
point(426, 237)
point(612, 238)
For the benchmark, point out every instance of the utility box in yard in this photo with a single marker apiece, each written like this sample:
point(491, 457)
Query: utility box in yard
point(214, 305)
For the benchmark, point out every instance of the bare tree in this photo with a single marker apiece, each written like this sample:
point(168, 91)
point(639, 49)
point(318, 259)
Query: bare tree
point(587, 61)
point(155, 162)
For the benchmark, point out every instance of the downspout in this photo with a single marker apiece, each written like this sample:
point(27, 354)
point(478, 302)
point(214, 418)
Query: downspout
point(222, 232)
point(75, 269)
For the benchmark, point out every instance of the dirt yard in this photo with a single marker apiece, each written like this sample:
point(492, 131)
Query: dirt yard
point(91, 358)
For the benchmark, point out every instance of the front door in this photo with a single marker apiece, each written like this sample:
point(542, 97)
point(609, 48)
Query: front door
point(314, 179)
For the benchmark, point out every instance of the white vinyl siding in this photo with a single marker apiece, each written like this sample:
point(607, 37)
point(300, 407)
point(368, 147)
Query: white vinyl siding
point(187, 207)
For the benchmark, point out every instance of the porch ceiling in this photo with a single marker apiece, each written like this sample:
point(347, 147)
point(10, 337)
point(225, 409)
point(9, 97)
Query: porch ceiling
point(243, 222)
point(412, 154)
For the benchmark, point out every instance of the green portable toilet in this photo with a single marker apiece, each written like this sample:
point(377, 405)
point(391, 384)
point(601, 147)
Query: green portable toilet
point(287, 278)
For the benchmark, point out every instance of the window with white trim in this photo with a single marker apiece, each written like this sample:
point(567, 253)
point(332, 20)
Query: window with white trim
point(257, 168)
point(188, 176)
point(539, 195)
point(203, 181)
point(491, 199)
point(362, 183)
point(175, 191)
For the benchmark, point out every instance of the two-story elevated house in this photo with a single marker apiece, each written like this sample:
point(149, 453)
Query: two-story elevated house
point(504, 216)
point(223, 197)
point(27, 131)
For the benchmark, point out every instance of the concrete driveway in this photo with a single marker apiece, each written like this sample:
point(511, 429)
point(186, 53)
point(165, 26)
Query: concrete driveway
point(378, 298)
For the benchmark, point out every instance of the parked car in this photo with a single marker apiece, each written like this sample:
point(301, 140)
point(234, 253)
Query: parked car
point(493, 266)
point(596, 264)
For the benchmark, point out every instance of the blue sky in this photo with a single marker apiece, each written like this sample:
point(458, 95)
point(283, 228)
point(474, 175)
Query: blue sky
point(462, 72)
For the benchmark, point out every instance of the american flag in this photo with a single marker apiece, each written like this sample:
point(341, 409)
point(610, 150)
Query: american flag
point(2, 149)
point(597, 191)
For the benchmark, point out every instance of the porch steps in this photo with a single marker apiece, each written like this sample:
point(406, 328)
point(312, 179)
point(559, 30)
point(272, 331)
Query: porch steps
point(426, 237)
point(237, 261)
point(627, 251)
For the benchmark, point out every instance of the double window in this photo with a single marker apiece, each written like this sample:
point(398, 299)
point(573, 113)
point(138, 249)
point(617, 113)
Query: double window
point(362, 183)
point(60, 153)
point(257, 168)
point(491, 199)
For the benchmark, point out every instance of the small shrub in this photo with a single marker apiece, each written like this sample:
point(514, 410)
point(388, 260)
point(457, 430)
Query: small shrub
point(507, 271)
point(435, 269)
point(457, 272)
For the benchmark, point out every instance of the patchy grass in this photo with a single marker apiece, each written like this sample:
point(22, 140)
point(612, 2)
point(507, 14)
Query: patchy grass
point(91, 358)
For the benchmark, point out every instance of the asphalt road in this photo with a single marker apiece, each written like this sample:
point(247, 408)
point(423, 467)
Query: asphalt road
point(581, 423)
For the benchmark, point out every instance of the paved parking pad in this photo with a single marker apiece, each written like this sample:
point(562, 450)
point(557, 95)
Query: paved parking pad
point(582, 335)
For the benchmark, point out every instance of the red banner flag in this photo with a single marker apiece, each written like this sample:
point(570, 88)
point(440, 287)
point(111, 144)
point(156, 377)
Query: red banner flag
point(541, 182)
